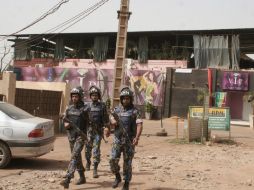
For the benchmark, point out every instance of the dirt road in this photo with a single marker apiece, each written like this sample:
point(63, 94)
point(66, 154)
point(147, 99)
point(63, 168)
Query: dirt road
point(159, 163)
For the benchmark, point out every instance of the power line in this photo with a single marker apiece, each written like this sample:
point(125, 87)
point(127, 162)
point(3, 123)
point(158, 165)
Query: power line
point(49, 12)
point(92, 8)
point(72, 21)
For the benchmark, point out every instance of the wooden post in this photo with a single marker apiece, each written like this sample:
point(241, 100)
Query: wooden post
point(177, 128)
point(176, 122)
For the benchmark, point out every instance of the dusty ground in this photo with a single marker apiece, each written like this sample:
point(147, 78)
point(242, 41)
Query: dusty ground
point(159, 163)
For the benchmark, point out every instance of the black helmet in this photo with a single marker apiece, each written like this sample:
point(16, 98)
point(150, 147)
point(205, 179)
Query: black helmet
point(94, 89)
point(81, 91)
point(76, 90)
point(126, 91)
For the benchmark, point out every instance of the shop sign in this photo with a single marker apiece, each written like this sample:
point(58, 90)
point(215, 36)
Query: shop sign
point(235, 81)
point(219, 119)
point(196, 111)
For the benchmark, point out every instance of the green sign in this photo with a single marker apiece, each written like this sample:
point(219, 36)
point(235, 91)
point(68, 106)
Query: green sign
point(219, 119)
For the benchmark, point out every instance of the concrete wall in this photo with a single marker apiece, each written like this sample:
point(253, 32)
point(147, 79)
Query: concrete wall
point(8, 86)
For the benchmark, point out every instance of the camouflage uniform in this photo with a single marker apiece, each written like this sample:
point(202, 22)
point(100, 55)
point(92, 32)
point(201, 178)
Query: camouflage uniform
point(77, 116)
point(98, 118)
point(129, 118)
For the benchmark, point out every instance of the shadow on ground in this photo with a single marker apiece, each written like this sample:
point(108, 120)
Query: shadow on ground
point(38, 163)
point(103, 184)
point(162, 188)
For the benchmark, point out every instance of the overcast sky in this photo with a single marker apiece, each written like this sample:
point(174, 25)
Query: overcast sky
point(147, 15)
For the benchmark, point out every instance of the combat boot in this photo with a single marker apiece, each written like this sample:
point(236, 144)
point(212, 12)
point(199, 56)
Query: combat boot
point(82, 178)
point(117, 181)
point(88, 164)
point(65, 183)
point(95, 173)
point(126, 186)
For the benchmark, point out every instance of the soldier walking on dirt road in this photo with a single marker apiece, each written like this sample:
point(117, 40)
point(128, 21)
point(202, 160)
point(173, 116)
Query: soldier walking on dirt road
point(128, 125)
point(75, 123)
point(98, 125)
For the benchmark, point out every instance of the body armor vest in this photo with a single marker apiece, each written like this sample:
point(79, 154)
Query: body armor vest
point(75, 113)
point(128, 121)
point(96, 113)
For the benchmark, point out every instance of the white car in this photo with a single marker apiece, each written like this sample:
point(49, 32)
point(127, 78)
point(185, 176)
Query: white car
point(23, 135)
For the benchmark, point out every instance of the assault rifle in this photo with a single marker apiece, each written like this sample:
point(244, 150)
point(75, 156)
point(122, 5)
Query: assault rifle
point(120, 124)
point(76, 128)
point(96, 127)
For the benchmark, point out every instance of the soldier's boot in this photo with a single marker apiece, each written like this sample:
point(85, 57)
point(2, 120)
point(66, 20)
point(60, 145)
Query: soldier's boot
point(117, 181)
point(126, 186)
point(65, 183)
point(82, 178)
point(88, 164)
point(95, 173)
point(66, 176)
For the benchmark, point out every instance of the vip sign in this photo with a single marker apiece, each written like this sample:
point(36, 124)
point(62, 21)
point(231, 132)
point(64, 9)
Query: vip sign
point(235, 81)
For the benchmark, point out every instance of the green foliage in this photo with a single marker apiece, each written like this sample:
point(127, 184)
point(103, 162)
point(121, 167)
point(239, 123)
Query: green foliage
point(202, 92)
point(149, 107)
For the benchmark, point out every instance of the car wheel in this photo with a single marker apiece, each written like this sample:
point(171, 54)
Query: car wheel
point(5, 155)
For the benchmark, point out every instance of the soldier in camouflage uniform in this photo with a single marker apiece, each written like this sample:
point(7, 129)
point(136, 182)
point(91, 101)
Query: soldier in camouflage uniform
point(126, 120)
point(75, 116)
point(98, 122)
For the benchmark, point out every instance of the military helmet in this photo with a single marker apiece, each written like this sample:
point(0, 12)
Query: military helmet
point(76, 91)
point(81, 91)
point(95, 90)
point(126, 91)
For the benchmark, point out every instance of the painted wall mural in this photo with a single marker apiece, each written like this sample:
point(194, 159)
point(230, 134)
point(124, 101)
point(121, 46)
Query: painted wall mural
point(103, 78)
point(147, 85)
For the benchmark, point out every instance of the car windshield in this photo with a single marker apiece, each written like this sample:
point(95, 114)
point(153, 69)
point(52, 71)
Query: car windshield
point(14, 112)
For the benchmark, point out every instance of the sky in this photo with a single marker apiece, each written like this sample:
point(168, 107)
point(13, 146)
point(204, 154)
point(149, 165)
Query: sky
point(147, 15)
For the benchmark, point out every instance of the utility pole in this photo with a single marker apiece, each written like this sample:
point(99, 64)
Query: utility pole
point(123, 16)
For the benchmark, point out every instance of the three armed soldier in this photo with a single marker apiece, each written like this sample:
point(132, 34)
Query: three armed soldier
point(92, 120)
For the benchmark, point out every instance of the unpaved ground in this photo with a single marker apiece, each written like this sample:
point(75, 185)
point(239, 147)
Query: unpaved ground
point(159, 163)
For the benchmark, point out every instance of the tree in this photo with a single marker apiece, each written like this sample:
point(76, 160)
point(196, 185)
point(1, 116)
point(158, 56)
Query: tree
point(5, 54)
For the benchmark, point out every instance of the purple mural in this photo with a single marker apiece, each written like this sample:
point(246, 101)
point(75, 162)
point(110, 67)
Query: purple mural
point(147, 85)
point(103, 78)
point(235, 81)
